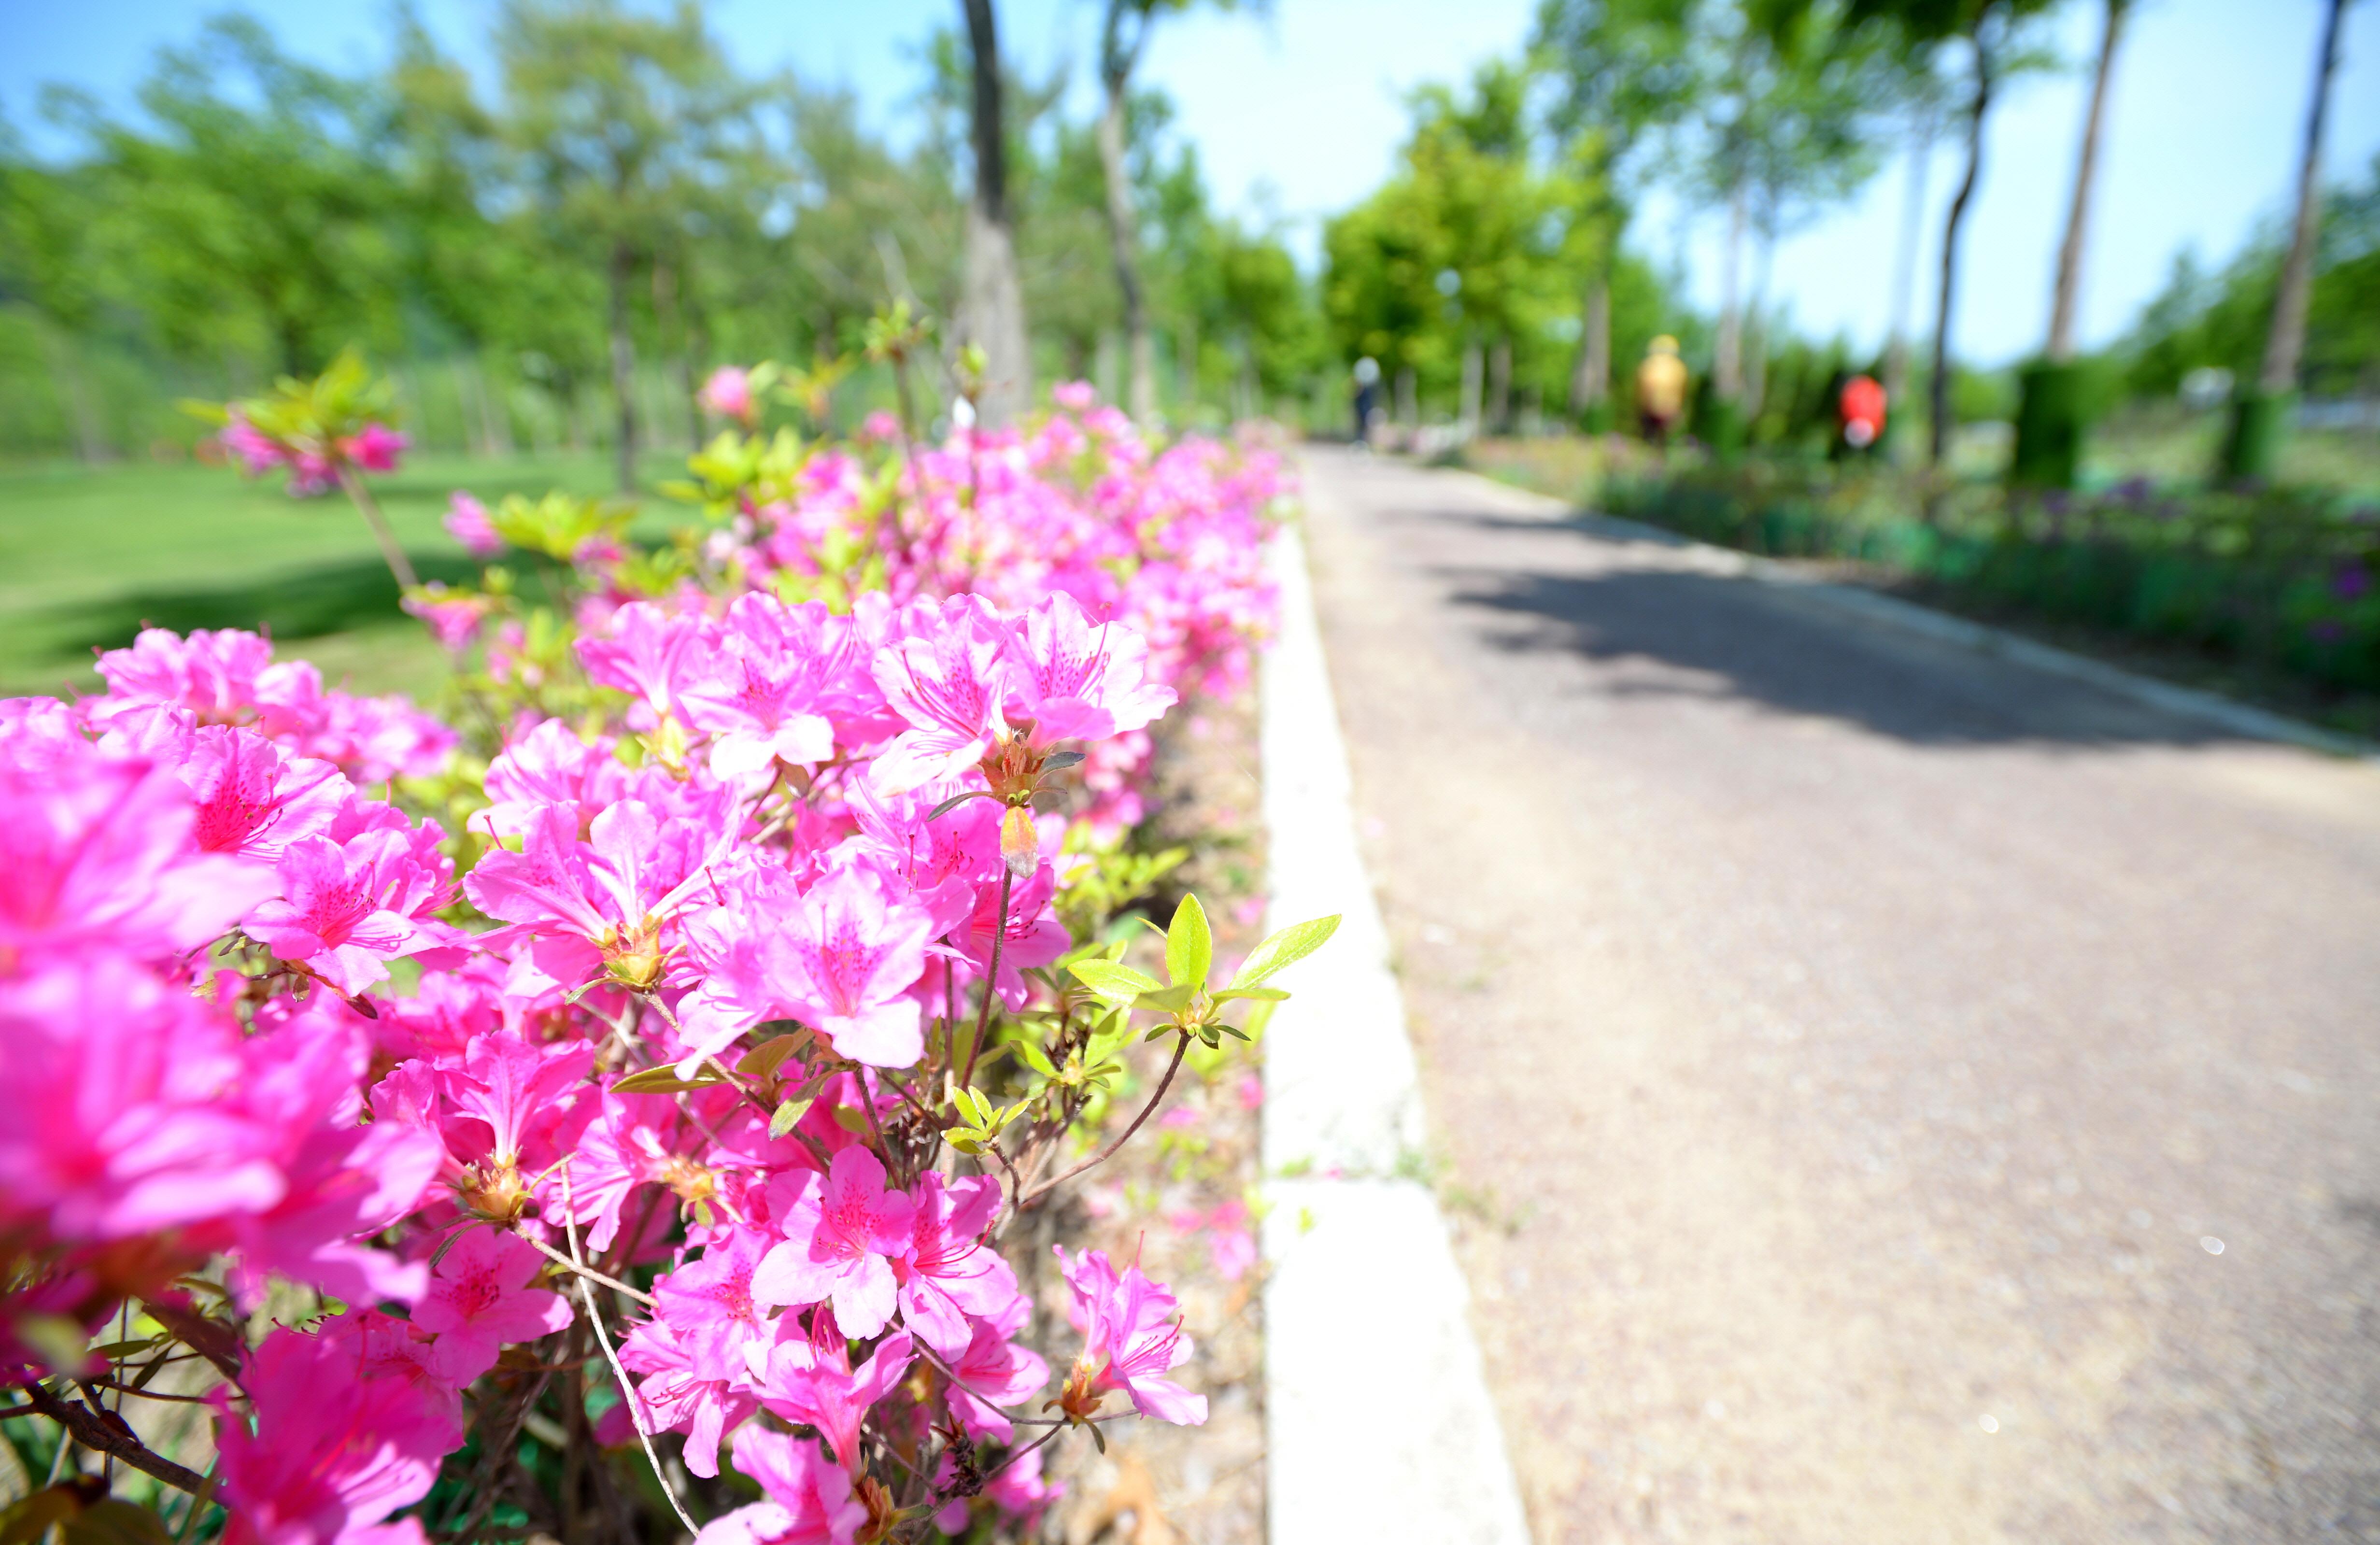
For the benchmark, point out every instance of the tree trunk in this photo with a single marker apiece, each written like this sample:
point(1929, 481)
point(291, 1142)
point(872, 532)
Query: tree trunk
point(1499, 387)
point(495, 419)
point(91, 436)
point(681, 372)
point(1938, 432)
point(1143, 352)
point(1905, 269)
point(1590, 381)
point(2285, 341)
point(991, 309)
point(1468, 410)
point(1726, 364)
point(623, 366)
point(1409, 398)
point(1186, 367)
point(2078, 217)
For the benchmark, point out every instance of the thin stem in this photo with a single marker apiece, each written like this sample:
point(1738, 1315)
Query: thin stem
point(559, 1259)
point(368, 508)
point(627, 1391)
point(992, 980)
point(988, 1475)
point(1181, 1046)
point(104, 1432)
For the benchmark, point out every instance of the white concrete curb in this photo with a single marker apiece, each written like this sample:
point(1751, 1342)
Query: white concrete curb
point(1379, 1425)
point(2188, 702)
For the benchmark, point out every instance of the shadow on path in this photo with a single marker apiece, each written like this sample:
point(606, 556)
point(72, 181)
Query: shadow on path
point(1796, 654)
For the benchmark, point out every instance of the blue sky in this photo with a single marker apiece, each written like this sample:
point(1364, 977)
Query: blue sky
point(1299, 113)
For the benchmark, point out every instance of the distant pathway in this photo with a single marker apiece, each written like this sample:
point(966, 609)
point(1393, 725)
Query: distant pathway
point(1888, 1094)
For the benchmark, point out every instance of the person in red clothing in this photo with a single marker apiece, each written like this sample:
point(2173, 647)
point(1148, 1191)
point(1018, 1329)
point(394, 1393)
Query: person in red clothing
point(1859, 413)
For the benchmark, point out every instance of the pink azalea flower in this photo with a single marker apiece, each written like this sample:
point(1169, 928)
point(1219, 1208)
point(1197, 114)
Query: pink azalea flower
point(676, 1396)
point(994, 1372)
point(1078, 680)
point(333, 1453)
point(949, 688)
point(479, 1298)
point(253, 798)
point(852, 953)
point(728, 393)
point(374, 447)
point(550, 765)
point(709, 1306)
point(99, 853)
point(346, 910)
point(466, 521)
point(841, 1230)
point(948, 1272)
point(820, 1389)
point(122, 1116)
point(257, 451)
point(810, 1499)
point(757, 696)
point(1036, 937)
point(1075, 397)
point(651, 654)
point(1132, 1336)
point(453, 620)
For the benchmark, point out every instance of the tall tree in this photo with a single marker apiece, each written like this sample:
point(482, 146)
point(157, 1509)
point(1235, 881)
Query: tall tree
point(2253, 446)
point(992, 314)
point(1124, 40)
point(1623, 74)
point(1991, 33)
point(2078, 212)
point(2050, 411)
point(620, 117)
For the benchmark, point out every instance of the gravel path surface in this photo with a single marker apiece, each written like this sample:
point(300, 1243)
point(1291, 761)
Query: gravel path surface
point(1888, 1094)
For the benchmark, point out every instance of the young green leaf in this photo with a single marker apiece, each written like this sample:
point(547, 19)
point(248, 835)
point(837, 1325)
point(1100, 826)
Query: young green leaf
point(770, 1054)
point(1168, 1000)
point(1189, 944)
point(1290, 945)
point(1036, 1059)
point(1261, 994)
point(663, 1080)
point(787, 1113)
point(1112, 981)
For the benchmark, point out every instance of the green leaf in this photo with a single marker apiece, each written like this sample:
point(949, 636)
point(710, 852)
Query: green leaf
point(1287, 947)
point(1189, 944)
point(1261, 994)
point(955, 801)
point(788, 1113)
point(1116, 983)
point(116, 1523)
point(1037, 1059)
point(770, 1054)
point(664, 1080)
point(1168, 1000)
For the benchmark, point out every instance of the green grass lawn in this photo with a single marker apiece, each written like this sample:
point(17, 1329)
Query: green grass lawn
point(90, 556)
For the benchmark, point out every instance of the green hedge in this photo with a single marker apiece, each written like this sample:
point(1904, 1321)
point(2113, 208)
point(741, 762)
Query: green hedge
point(2284, 578)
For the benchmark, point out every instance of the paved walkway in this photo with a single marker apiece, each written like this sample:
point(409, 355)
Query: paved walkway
point(1890, 1094)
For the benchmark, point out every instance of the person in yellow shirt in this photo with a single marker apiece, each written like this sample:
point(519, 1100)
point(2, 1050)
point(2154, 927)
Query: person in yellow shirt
point(1660, 390)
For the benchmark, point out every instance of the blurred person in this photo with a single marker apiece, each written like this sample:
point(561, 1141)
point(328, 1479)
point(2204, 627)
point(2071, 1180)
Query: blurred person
point(1367, 397)
point(1660, 390)
point(1859, 415)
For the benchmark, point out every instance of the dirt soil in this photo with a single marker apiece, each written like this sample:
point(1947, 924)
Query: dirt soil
point(1183, 1196)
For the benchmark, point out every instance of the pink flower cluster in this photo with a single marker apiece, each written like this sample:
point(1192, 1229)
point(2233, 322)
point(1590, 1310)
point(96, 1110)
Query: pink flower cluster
point(678, 999)
point(1169, 543)
point(313, 465)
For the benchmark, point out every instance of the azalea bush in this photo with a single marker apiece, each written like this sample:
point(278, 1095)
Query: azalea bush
point(614, 1098)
